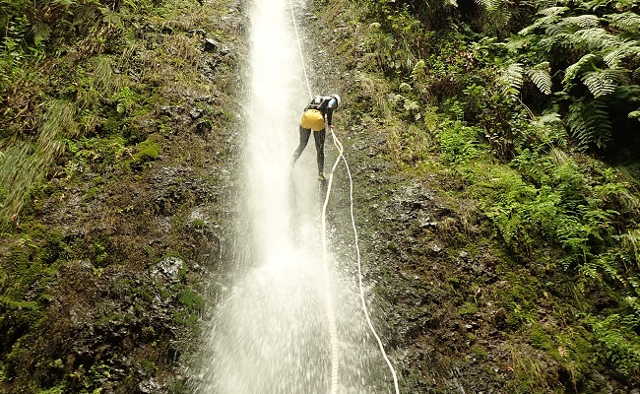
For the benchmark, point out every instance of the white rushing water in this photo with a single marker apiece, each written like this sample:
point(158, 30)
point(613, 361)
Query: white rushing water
point(271, 334)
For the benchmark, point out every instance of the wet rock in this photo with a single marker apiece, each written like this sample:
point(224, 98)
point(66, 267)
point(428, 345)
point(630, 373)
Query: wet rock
point(199, 32)
point(173, 185)
point(424, 220)
point(196, 113)
point(203, 127)
point(211, 45)
point(168, 268)
point(170, 110)
point(164, 224)
point(205, 99)
point(198, 216)
point(150, 386)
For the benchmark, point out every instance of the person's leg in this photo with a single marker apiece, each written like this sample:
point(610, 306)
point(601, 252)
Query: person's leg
point(304, 138)
point(318, 137)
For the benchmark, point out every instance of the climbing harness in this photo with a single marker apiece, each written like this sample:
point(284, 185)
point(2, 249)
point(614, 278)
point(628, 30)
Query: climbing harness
point(330, 309)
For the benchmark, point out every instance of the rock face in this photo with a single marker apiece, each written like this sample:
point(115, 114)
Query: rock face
point(110, 261)
point(168, 269)
point(213, 46)
point(461, 308)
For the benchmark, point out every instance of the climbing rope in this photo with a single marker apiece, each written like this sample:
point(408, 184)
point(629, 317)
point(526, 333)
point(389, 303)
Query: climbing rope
point(365, 309)
point(300, 51)
point(333, 332)
point(331, 314)
point(330, 310)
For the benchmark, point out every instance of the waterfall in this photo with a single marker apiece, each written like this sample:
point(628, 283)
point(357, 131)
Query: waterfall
point(270, 334)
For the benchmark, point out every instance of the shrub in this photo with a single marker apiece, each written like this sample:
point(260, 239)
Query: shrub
point(459, 143)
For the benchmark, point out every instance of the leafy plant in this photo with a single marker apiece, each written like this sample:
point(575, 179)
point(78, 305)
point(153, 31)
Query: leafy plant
point(459, 143)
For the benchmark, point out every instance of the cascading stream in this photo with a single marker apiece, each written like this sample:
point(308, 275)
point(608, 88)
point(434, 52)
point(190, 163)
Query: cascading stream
point(276, 329)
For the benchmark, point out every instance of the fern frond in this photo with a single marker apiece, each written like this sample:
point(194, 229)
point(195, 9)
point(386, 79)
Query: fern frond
point(595, 5)
point(512, 79)
point(626, 21)
point(551, 11)
point(562, 40)
point(596, 38)
point(544, 21)
point(590, 124)
point(583, 21)
point(541, 77)
point(490, 5)
point(604, 82)
point(572, 24)
point(575, 69)
point(631, 240)
point(628, 50)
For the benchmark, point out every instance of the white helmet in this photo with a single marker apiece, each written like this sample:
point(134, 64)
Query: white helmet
point(338, 99)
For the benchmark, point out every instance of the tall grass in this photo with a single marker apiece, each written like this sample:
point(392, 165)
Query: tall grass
point(24, 164)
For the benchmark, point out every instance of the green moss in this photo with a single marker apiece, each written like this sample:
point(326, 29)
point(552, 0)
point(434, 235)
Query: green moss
point(18, 305)
point(186, 319)
point(100, 254)
point(147, 150)
point(468, 308)
point(480, 352)
point(149, 366)
point(191, 300)
point(539, 338)
point(60, 389)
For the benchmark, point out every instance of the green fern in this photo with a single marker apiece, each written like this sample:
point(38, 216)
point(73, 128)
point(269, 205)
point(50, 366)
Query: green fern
point(634, 114)
point(551, 11)
point(586, 62)
point(512, 79)
point(544, 21)
point(615, 57)
point(596, 38)
point(627, 21)
point(631, 240)
point(540, 75)
point(622, 348)
point(572, 24)
point(490, 5)
point(604, 82)
point(25, 164)
point(597, 5)
point(589, 124)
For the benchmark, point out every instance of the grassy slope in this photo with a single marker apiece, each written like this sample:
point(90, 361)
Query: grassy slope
point(122, 140)
point(479, 291)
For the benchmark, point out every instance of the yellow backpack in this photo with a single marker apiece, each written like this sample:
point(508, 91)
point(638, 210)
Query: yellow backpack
point(312, 119)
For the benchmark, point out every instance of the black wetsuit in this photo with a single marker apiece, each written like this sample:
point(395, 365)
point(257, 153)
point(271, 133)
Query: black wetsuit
point(326, 105)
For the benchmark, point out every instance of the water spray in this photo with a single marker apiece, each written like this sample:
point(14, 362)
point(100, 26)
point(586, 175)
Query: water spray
point(330, 308)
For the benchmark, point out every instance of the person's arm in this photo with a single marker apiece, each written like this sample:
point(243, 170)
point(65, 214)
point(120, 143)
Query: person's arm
point(331, 106)
point(330, 117)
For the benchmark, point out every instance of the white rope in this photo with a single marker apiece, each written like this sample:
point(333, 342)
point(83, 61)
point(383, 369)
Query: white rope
point(330, 310)
point(331, 315)
point(300, 51)
point(338, 145)
point(333, 333)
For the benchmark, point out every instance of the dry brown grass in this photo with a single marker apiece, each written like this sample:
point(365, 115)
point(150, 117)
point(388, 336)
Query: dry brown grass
point(183, 48)
point(533, 372)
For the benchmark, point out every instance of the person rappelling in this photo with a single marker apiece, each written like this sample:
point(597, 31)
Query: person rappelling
point(317, 116)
